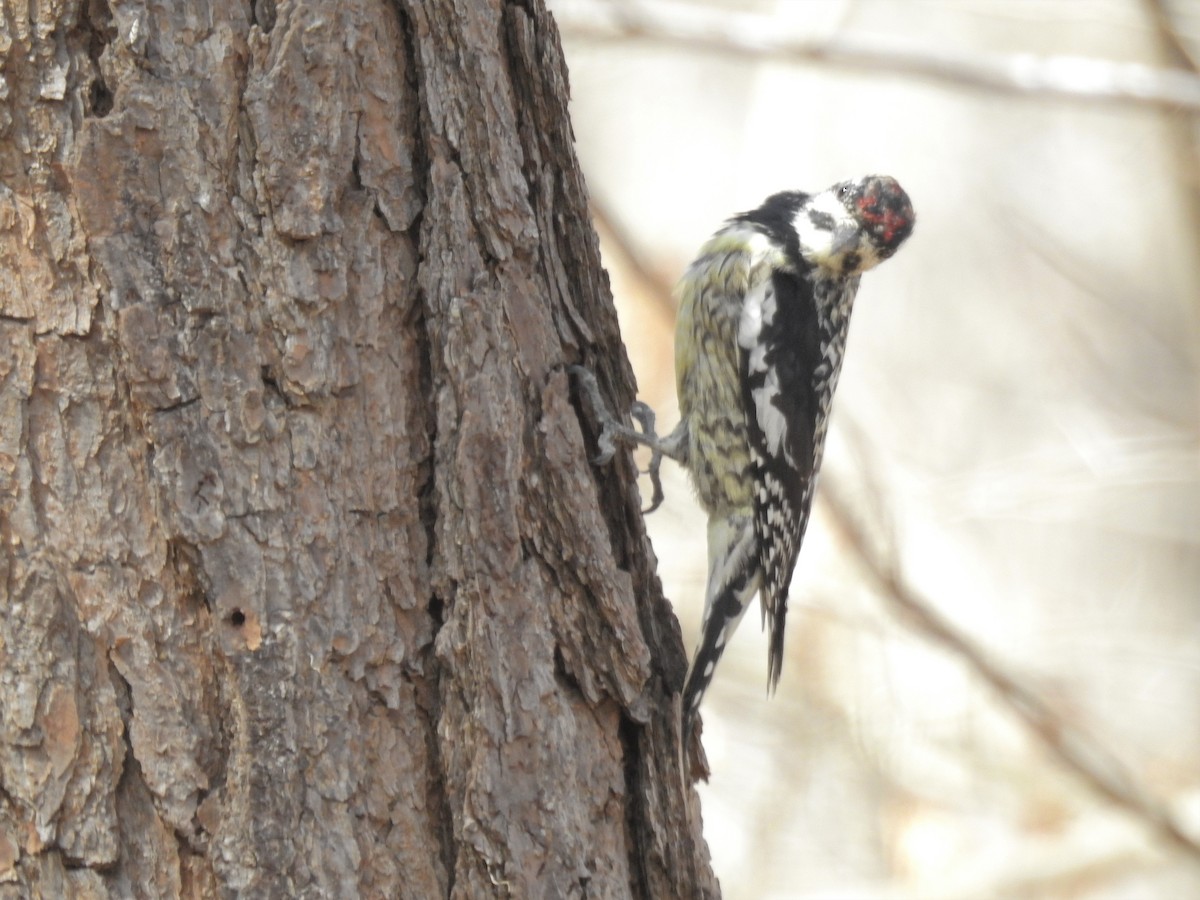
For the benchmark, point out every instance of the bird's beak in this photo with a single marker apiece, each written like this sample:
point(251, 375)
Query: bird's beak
point(845, 240)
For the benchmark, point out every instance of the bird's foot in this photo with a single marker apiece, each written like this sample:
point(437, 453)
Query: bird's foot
point(612, 431)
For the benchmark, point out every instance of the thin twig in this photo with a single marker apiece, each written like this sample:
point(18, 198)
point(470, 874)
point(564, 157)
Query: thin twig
point(1067, 77)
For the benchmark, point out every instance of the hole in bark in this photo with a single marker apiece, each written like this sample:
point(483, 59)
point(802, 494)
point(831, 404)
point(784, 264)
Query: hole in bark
point(100, 99)
point(564, 674)
point(264, 14)
point(245, 630)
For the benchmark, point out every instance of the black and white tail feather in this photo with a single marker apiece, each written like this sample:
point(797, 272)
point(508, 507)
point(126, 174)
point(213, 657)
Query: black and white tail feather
point(733, 579)
point(761, 334)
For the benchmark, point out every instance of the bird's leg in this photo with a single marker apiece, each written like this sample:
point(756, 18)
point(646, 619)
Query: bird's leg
point(673, 445)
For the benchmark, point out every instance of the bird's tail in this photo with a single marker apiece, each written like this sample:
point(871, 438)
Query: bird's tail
point(733, 578)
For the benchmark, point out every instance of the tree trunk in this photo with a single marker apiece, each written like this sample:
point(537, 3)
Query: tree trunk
point(309, 588)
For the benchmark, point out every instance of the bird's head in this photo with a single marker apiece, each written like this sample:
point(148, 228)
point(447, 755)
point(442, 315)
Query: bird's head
point(854, 225)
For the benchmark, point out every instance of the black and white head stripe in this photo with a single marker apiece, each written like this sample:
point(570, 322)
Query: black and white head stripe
point(775, 219)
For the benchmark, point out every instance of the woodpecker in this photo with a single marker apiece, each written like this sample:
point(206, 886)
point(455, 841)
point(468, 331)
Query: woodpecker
point(764, 311)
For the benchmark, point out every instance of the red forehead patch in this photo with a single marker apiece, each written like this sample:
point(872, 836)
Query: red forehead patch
point(886, 213)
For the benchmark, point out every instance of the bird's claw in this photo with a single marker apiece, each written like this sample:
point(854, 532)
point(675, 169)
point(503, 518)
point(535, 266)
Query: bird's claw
point(644, 416)
point(611, 431)
point(609, 427)
point(608, 449)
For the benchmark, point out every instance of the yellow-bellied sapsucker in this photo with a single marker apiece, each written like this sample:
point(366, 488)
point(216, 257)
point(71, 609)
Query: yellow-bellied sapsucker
point(764, 312)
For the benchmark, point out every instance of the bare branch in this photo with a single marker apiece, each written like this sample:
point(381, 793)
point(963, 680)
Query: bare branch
point(1067, 77)
point(1098, 768)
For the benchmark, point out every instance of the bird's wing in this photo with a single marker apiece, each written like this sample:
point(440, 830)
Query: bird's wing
point(780, 345)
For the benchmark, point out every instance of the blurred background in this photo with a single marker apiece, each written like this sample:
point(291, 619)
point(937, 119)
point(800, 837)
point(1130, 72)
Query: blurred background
point(992, 681)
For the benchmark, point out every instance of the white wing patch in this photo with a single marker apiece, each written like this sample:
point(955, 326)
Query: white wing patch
point(770, 417)
point(758, 311)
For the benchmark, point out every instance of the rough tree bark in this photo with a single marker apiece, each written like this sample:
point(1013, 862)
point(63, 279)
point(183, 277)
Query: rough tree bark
point(309, 588)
